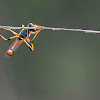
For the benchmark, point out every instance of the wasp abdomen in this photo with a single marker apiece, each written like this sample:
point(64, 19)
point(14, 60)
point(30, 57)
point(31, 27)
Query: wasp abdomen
point(10, 52)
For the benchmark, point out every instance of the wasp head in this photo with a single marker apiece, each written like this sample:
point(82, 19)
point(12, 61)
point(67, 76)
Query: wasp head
point(31, 25)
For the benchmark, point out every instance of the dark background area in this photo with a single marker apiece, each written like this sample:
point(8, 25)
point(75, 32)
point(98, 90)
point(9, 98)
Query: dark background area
point(64, 65)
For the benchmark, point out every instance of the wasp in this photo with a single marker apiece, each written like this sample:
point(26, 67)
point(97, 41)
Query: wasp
point(23, 36)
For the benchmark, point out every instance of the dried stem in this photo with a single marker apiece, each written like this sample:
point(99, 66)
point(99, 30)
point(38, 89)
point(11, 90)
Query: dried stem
point(50, 28)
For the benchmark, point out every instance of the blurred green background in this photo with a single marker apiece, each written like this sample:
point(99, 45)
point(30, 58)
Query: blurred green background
point(64, 65)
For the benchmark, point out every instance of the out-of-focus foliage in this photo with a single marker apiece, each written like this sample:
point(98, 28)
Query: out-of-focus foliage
point(64, 65)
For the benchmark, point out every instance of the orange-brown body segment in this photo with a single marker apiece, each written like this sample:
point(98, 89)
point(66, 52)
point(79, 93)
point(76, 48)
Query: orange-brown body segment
point(10, 52)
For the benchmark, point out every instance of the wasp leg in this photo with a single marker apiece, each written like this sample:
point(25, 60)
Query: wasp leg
point(32, 32)
point(32, 45)
point(8, 38)
point(38, 26)
point(13, 37)
point(23, 26)
point(3, 37)
point(27, 39)
point(36, 33)
point(29, 46)
point(11, 31)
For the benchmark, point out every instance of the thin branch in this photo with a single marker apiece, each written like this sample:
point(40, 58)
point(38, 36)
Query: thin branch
point(50, 28)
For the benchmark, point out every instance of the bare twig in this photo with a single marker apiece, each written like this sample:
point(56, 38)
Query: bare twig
point(50, 28)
